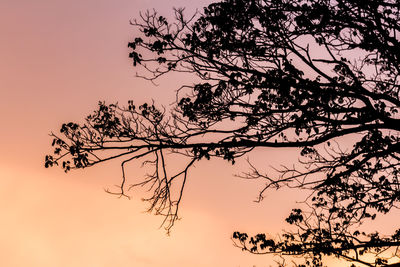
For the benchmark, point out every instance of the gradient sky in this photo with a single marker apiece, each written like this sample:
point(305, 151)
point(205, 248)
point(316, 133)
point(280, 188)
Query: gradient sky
point(58, 59)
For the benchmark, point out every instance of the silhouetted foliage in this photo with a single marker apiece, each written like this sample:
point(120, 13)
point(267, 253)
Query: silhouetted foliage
point(278, 73)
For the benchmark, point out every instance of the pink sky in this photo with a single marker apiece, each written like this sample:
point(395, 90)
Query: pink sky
point(58, 59)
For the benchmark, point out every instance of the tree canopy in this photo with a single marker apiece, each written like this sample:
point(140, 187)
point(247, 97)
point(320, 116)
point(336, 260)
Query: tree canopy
point(271, 73)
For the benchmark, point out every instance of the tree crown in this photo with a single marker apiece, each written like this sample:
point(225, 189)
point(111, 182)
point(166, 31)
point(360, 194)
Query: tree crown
point(272, 74)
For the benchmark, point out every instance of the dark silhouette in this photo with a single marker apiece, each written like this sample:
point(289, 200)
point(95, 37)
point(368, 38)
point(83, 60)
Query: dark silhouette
point(277, 73)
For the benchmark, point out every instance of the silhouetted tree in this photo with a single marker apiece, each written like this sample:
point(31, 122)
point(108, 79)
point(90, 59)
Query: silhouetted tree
point(272, 73)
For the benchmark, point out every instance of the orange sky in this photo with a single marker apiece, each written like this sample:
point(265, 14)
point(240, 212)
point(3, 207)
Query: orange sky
point(58, 58)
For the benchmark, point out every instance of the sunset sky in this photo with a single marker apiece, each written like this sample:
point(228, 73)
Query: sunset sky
point(57, 60)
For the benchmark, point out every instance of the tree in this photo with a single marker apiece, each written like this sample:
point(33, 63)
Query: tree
point(271, 73)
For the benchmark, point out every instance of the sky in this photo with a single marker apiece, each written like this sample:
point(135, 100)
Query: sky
point(58, 59)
